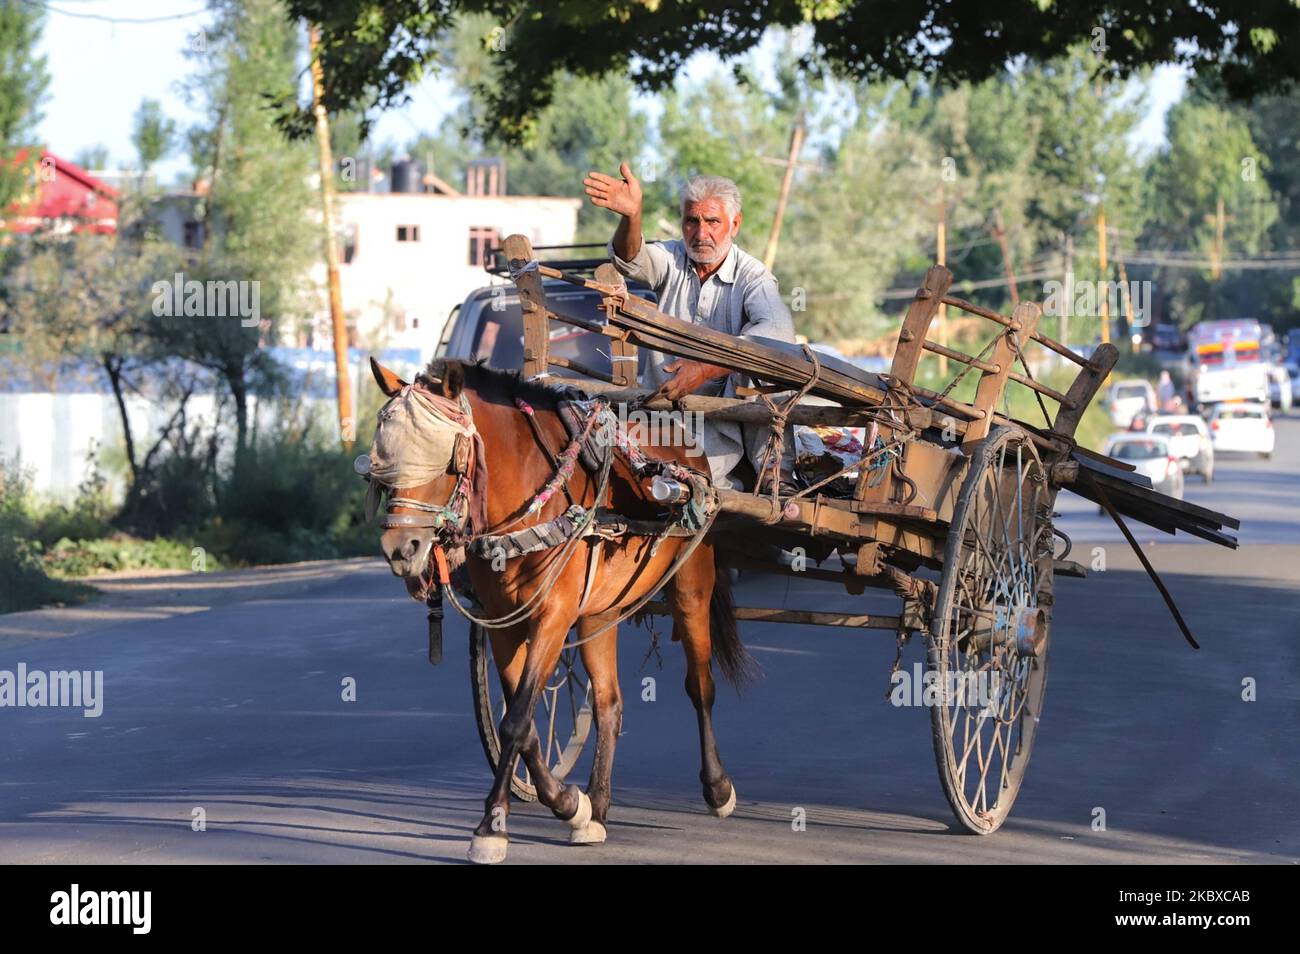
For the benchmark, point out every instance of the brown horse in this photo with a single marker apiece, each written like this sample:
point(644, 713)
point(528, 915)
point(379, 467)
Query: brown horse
point(521, 459)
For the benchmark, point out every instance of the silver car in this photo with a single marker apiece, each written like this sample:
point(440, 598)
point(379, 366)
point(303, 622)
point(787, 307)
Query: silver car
point(1152, 457)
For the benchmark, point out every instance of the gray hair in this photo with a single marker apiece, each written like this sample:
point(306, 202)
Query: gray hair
point(699, 188)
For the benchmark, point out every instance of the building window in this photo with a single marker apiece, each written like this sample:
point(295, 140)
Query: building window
point(408, 233)
point(193, 237)
point(348, 243)
point(482, 242)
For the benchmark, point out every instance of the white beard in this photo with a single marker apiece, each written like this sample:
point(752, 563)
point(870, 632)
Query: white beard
point(718, 255)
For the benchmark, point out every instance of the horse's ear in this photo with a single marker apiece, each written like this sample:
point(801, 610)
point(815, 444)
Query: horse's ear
point(388, 382)
point(453, 379)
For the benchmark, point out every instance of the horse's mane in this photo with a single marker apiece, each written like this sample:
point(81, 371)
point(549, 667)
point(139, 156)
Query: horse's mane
point(493, 382)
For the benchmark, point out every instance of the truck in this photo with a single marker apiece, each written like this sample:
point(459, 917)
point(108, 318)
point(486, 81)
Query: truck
point(1226, 362)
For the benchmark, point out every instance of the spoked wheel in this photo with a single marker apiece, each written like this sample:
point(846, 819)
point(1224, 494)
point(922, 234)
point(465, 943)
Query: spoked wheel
point(563, 718)
point(990, 631)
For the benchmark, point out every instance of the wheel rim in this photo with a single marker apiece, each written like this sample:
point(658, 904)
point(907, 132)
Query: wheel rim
point(990, 634)
point(563, 717)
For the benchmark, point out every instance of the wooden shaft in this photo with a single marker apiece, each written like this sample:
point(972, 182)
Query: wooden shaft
point(959, 356)
point(571, 365)
point(1041, 388)
point(1041, 338)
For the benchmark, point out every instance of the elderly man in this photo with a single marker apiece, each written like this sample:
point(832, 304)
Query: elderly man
point(706, 279)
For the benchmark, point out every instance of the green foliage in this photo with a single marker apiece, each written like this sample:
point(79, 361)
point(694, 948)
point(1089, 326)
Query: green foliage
point(371, 52)
point(23, 81)
point(24, 583)
point(117, 552)
point(153, 134)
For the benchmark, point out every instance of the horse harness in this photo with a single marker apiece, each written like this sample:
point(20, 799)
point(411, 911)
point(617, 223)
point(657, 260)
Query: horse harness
point(597, 436)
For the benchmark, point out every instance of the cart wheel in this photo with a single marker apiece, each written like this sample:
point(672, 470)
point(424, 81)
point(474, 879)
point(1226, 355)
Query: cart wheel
point(563, 719)
point(988, 637)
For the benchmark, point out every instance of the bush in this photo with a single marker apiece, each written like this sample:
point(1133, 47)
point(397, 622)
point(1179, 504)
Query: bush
point(121, 552)
point(291, 500)
point(23, 581)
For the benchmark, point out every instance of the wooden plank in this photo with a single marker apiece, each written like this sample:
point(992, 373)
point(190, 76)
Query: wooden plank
point(917, 321)
point(758, 614)
point(901, 511)
point(532, 303)
point(1084, 388)
point(991, 385)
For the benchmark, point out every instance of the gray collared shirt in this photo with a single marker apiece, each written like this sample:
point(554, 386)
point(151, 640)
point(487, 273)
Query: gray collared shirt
point(740, 298)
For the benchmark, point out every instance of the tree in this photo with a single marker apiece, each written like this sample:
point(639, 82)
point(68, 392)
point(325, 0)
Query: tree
point(94, 157)
point(373, 52)
point(85, 298)
point(259, 206)
point(591, 124)
point(153, 134)
point(23, 81)
point(1212, 157)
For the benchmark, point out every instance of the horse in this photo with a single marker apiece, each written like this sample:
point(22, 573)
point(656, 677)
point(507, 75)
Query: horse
point(484, 442)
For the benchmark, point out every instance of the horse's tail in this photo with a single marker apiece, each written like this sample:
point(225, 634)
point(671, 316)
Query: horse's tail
point(737, 665)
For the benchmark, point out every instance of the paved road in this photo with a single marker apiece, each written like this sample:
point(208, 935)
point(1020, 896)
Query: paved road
point(223, 693)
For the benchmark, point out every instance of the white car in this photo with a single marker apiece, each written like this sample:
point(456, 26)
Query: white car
point(1151, 456)
point(1244, 427)
point(1189, 441)
point(1128, 399)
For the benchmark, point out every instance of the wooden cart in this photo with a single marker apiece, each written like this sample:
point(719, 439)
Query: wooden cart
point(951, 511)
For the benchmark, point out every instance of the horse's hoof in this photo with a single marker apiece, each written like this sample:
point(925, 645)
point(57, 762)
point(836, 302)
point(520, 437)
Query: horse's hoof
point(488, 849)
point(583, 815)
point(592, 833)
point(727, 807)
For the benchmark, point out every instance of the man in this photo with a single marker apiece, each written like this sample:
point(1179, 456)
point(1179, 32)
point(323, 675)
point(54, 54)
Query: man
point(706, 279)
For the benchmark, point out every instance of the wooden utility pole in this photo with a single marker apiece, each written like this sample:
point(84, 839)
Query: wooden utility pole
point(774, 237)
point(1218, 220)
point(1128, 299)
point(343, 384)
point(1000, 233)
point(941, 258)
point(1067, 290)
point(1101, 259)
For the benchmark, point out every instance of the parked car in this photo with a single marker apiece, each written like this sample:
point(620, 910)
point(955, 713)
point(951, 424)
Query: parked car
point(1128, 399)
point(1189, 441)
point(1281, 387)
point(1293, 372)
point(1152, 457)
point(1243, 428)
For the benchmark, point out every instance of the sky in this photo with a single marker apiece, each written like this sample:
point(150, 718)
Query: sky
point(100, 71)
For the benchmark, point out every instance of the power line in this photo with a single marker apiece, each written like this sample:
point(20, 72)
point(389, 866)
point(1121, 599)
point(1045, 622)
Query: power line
point(107, 19)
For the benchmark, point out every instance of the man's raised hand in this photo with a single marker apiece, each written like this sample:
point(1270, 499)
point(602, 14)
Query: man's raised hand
point(618, 195)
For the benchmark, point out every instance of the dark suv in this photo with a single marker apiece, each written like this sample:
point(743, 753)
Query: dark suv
point(488, 325)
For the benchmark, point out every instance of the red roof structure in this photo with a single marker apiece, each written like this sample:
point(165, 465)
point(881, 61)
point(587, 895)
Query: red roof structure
point(62, 195)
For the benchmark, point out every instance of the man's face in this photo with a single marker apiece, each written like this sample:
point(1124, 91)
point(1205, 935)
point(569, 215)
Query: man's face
point(707, 231)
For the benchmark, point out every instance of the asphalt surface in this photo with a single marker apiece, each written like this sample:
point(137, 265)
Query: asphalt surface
point(224, 693)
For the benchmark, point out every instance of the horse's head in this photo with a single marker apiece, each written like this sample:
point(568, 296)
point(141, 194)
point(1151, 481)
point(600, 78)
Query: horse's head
point(423, 456)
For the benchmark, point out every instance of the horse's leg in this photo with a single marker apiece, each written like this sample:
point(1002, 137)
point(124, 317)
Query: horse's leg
point(600, 657)
point(490, 840)
point(509, 649)
point(692, 592)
